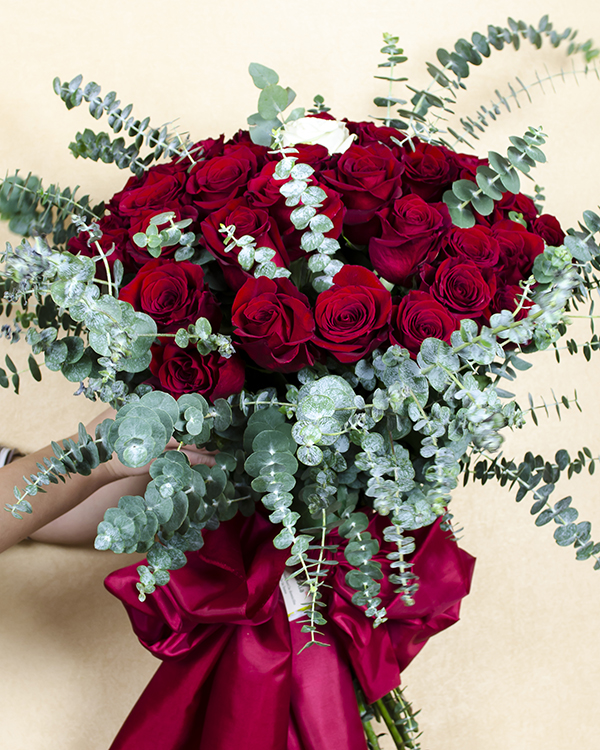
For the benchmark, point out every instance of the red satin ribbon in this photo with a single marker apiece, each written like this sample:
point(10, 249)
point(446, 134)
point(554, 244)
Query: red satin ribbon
point(231, 675)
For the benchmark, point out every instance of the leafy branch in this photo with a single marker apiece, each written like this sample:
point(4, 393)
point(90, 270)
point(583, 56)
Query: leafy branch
point(30, 209)
point(478, 122)
point(564, 401)
point(500, 176)
point(100, 146)
point(536, 475)
point(455, 64)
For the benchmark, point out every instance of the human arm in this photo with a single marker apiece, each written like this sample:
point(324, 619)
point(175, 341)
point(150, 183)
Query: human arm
point(68, 513)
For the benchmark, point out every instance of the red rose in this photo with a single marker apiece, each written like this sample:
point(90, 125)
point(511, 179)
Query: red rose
point(274, 324)
point(232, 147)
point(411, 232)
point(263, 192)
point(137, 256)
point(367, 178)
point(463, 288)
point(507, 298)
point(368, 132)
point(215, 182)
point(516, 202)
point(207, 149)
point(477, 244)
point(255, 222)
point(308, 153)
point(352, 317)
point(177, 371)
point(417, 317)
point(548, 228)
point(518, 249)
point(114, 237)
point(467, 164)
point(173, 294)
point(160, 185)
point(429, 170)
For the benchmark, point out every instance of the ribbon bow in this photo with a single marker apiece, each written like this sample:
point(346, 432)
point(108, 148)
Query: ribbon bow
point(232, 676)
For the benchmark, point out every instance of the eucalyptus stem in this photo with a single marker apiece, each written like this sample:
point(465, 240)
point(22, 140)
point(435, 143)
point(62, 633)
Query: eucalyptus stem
point(370, 734)
point(391, 724)
point(107, 269)
point(389, 103)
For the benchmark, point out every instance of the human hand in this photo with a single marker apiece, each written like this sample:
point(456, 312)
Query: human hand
point(116, 470)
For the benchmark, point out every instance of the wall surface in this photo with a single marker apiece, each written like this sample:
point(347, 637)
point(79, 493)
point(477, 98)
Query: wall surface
point(521, 668)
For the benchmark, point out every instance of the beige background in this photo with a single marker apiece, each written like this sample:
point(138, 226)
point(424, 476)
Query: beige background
point(520, 670)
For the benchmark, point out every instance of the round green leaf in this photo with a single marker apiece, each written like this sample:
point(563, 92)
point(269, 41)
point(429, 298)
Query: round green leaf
point(482, 204)
point(272, 101)
point(262, 76)
point(273, 441)
point(487, 181)
point(460, 214)
point(310, 455)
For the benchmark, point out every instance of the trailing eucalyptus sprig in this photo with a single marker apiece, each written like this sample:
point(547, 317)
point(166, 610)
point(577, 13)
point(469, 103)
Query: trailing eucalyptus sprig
point(272, 102)
point(455, 64)
point(491, 181)
point(100, 146)
point(30, 209)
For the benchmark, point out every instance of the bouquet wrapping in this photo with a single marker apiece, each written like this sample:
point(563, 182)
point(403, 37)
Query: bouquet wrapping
point(331, 307)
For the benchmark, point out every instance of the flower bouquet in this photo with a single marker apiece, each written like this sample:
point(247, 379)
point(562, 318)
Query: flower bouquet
point(333, 307)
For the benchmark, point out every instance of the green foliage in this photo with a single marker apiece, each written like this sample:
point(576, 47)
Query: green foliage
point(539, 477)
point(74, 457)
point(319, 105)
point(455, 65)
point(492, 181)
point(394, 56)
point(29, 209)
point(100, 146)
point(258, 260)
point(155, 239)
point(273, 100)
point(307, 199)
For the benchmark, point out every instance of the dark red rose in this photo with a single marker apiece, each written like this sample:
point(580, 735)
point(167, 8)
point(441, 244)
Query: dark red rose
point(429, 170)
point(353, 316)
point(159, 186)
point(507, 298)
point(547, 227)
point(314, 154)
point(368, 132)
point(264, 192)
point(419, 316)
point(177, 371)
point(207, 149)
point(368, 178)
point(173, 294)
point(467, 164)
point(411, 233)
point(477, 244)
point(114, 237)
point(231, 148)
point(463, 288)
point(309, 153)
point(274, 324)
point(215, 182)
point(137, 256)
point(518, 203)
point(255, 222)
point(518, 249)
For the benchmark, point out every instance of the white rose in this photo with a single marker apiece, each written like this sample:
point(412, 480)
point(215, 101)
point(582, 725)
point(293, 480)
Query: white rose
point(332, 134)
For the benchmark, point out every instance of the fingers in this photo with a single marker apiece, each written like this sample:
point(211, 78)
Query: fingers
point(200, 456)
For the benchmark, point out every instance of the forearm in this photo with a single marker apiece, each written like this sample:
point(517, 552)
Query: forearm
point(58, 498)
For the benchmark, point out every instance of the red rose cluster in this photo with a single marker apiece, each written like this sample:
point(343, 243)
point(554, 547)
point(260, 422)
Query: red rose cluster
point(385, 204)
